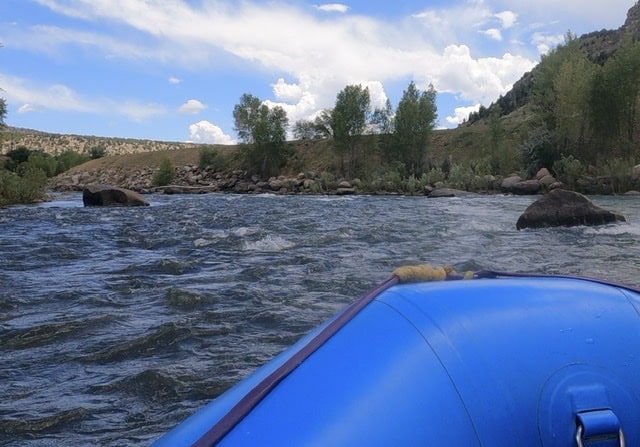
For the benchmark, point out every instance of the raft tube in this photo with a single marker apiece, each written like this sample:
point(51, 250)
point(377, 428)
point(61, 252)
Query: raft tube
point(501, 361)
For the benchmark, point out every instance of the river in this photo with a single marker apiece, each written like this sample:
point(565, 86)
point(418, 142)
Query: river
point(117, 323)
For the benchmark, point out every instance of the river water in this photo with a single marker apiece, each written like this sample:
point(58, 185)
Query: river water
point(117, 323)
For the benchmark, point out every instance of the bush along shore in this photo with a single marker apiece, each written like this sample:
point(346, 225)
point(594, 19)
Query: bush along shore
point(190, 179)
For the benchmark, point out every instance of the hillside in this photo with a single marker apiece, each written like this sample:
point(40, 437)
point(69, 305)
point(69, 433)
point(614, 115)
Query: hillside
point(599, 47)
point(454, 145)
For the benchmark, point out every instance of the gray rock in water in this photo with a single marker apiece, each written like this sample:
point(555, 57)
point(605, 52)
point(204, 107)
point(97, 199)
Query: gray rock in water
point(101, 195)
point(565, 208)
point(447, 192)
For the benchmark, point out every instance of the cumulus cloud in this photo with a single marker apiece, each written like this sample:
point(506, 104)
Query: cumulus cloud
point(478, 80)
point(544, 43)
point(310, 58)
point(493, 33)
point(507, 18)
point(174, 80)
point(461, 114)
point(287, 92)
point(332, 7)
point(205, 132)
point(192, 107)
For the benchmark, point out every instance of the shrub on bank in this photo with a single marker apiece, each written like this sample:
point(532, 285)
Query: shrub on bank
point(27, 186)
point(210, 157)
point(165, 173)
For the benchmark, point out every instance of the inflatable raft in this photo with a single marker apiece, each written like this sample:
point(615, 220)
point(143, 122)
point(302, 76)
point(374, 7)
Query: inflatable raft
point(499, 360)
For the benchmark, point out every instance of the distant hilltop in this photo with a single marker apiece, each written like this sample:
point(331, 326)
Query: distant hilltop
point(600, 45)
point(54, 144)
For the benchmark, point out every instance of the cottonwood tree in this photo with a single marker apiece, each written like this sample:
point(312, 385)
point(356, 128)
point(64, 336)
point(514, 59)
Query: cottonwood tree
point(349, 121)
point(615, 98)
point(414, 122)
point(264, 129)
point(245, 114)
point(304, 130)
point(572, 85)
point(322, 124)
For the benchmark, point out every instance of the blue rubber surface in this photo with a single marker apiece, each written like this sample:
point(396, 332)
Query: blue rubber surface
point(491, 362)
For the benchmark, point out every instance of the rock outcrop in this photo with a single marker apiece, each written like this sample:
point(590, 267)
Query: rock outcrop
point(102, 195)
point(565, 208)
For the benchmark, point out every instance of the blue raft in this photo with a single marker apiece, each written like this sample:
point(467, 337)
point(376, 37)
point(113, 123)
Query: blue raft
point(500, 360)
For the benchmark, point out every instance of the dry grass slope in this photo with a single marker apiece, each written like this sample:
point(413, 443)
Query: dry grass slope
point(464, 144)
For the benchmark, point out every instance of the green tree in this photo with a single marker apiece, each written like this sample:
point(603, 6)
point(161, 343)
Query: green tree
point(349, 121)
point(3, 112)
point(267, 153)
point(322, 124)
point(17, 156)
point(245, 114)
point(614, 101)
point(572, 84)
point(544, 94)
point(304, 130)
point(413, 126)
point(97, 152)
point(382, 119)
point(264, 129)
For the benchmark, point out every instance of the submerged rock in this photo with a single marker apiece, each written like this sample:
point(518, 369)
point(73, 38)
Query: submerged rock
point(102, 195)
point(565, 208)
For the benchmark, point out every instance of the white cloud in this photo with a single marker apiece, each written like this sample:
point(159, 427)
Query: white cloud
point(587, 15)
point(28, 108)
point(493, 33)
point(192, 107)
point(287, 92)
point(461, 114)
point(174, 80)
point(507, 18)
point(61, 98)
point(544, 43)
point(332, 7)
point(48, 97)
point(317, 57)
point(205, 132)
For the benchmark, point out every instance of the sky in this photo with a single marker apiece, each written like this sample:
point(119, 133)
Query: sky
point(172, 70)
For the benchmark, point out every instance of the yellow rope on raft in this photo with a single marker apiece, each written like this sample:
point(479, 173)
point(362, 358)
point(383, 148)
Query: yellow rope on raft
point(426, 272)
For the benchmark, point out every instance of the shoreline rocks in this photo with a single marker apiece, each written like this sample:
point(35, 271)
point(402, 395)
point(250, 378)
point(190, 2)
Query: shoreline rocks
point(190, 179)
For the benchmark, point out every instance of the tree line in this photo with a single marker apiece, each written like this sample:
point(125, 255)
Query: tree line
point(363, 138)
point(586, 110)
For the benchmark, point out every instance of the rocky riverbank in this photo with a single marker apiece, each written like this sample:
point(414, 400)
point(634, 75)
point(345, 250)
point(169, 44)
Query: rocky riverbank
point(190, 179)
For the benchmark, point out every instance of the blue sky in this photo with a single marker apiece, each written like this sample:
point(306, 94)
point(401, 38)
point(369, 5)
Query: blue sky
point(173, 70)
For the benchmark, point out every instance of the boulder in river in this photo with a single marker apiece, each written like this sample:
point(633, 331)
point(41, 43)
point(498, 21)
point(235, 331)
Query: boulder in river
point(102, 195)
point(447, 192)
point(565, 208)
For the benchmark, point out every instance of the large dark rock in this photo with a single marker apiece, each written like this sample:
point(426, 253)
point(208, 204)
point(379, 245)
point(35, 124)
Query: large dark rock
point(101, 195)
point(565, 208)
